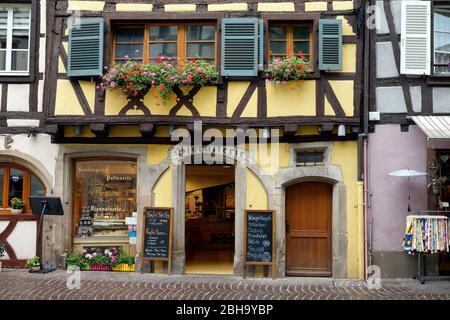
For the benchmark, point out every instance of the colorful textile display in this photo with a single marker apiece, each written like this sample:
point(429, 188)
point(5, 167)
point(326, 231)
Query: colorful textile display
point(426, 234)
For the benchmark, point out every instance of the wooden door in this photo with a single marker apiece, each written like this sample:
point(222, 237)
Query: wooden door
point(308, 229)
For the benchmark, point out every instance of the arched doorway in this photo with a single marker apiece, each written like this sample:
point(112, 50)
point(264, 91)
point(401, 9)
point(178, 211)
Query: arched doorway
point(309, 229)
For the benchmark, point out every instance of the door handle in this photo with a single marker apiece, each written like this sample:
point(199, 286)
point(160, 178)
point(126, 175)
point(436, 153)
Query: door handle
point(287, 226)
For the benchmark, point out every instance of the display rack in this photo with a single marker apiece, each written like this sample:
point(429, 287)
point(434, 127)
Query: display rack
point(421, 256)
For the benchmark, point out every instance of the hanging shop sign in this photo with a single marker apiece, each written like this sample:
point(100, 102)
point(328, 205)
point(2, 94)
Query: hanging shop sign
point(259, 239)
point(157, 236)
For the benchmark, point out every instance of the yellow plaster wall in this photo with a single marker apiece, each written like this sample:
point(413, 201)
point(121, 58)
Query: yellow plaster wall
point(66, 100)
point(251, 110)
point(345, 155)
point(130, 7)
point(342, 5)
point(307, 130)
point(343, 89)
point(86, 5)
point(291, 99)
point(256, 196)
point(114, 102)
point(205, 101)
point(163, 190)
point(348, 57)
point(316, 6)
point(180, 7)
point(238, 6)
point(276, 6)
point(236, 90)
point(346, 27)
point(275, 157)
point(157, 153)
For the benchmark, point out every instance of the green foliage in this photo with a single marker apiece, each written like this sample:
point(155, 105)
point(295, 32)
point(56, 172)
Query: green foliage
point(110, 257)
point(17, 203)
point(133, 79)
point(33, 262)
point(293, 67)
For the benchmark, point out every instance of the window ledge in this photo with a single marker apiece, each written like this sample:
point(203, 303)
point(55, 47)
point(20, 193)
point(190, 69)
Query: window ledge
point(434, 80)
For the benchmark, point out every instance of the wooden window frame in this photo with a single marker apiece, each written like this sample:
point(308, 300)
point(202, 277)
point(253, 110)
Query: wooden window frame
point(34, 39)
point(27, 173)
point(433, 65)
point(289, 40)
point(181, 41)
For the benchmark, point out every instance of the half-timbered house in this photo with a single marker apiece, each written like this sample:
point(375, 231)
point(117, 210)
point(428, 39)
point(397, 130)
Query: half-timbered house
point(116, 153)
point(409, 125)
point(26, 152)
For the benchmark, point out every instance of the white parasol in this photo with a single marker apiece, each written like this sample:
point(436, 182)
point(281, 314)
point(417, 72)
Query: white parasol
point(408, 173)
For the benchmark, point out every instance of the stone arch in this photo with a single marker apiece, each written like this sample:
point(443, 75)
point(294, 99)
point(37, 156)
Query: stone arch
point(31, 163)
point(178, 202)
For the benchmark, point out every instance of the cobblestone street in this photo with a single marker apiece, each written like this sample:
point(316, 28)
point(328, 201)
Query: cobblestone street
point(19, 284)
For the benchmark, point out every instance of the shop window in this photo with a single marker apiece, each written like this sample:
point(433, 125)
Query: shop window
point(310, 158)
point(291, 40)
point(146, 42)
point(15, 22)
point(18, 182)
point(104, 196)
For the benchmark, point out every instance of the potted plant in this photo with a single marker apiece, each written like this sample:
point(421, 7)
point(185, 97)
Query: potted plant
point(79, 260)
point(34, 264)
point(134, 80)
point(124, 263)
point(17, 205)
point(293, 67)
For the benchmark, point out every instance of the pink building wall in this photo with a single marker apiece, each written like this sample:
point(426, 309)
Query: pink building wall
point(391, 150)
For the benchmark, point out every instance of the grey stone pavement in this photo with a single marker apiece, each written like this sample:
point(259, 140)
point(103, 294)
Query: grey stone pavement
point(17, 284)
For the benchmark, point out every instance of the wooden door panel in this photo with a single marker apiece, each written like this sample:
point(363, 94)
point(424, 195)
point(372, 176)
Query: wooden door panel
point(308, 229)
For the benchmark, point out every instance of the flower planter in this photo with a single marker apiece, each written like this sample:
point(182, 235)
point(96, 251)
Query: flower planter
point(99, 267)
point(35, 269)
point(124, 267)
point(16, 211)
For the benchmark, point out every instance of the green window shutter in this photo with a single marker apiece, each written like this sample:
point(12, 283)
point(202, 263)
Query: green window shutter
point(85, 57)
point(261, 44)
point(330, 44)
point(239, 50)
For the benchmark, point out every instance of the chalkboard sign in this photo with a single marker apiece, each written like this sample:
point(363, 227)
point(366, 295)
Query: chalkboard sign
point(259, 237)
point(157, 235)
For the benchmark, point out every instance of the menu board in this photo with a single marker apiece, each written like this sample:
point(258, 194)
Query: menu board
point(157, 233)
point(259, 237)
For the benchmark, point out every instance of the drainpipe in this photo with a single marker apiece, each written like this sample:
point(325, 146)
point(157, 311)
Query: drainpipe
point(366, 140)
point(364, 137)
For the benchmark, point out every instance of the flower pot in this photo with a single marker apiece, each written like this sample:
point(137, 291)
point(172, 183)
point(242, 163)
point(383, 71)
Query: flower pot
point(16, 211)
point(124, 268)
point(35, 268)
point(99, 267)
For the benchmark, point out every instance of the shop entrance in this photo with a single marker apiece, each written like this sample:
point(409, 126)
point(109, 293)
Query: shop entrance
point(308, 229)
point(209, 219)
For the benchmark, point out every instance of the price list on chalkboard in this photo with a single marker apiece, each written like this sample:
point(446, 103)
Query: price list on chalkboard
point(156, 244)
point(259, 232)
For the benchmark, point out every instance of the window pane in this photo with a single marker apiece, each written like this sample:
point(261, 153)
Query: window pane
point(201, 50)
point(130, 50)
point(21, 17)
point(200, 32)
point(105, 194)
point(163, 49)
point(20, 39)
point(2, 39)
point(278, 47)
point(301, 33)
point(3, 18)
point(1, 188)
point(302, 46)
point(2, 60)
point(36, 187)
point(163, 33)
point(130, 35)
point(442, 39)
point(277, 32)
point(15, 185)
point(19, 61)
